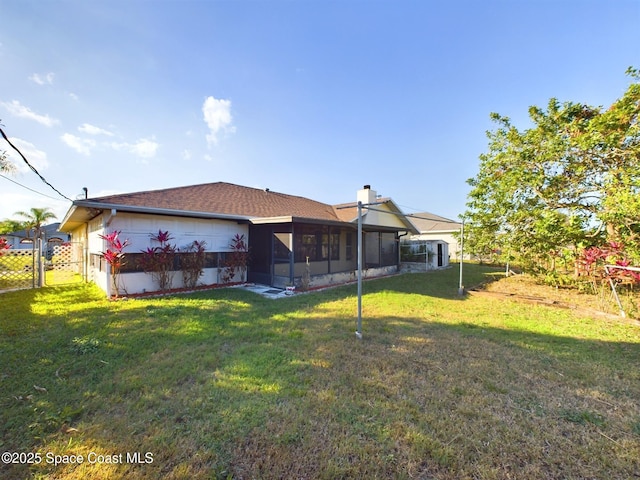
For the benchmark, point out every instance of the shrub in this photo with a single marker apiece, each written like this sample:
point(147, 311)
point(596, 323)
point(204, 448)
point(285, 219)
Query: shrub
point(192, 261)
point(114, 256)
point(236, 261)
point(4, 246)
point(158, 261)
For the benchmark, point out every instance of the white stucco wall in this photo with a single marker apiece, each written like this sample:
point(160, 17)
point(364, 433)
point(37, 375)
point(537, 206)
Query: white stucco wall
point(138, 228)
point(379, 218)
point(447, 237)
point(430, 246)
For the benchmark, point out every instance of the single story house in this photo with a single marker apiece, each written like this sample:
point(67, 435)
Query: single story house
point(23, 239)
point(436, 239)
point(289, 237)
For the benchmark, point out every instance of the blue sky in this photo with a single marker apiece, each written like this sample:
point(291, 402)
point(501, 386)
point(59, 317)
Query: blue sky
point(311, 98)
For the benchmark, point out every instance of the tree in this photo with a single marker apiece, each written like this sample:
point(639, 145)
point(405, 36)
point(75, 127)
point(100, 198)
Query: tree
point(35, 218)
point(9, 226)
point(613, 140)
point(562, 183)
point(5, 164)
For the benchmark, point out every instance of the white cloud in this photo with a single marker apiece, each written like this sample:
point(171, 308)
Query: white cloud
point(217, 116)
point(93, 130)
point(43, 79)
point(11, 202)
point(19, 110)
point(36, 157)
point(144, 148)
point(80, 145)
point(186, 155)
point(73, 96)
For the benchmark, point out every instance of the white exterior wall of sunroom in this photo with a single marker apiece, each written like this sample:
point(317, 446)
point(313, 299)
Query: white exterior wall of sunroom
point(138, 228)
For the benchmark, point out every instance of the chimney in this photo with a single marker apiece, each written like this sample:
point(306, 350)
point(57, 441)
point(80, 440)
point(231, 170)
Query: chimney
point(366, 195)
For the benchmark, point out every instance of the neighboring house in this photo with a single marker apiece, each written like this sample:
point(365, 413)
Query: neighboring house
point(23, 239)
point(436, 239)
point(287, 235)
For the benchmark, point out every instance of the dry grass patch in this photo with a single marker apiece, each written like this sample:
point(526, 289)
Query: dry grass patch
point(587, 297)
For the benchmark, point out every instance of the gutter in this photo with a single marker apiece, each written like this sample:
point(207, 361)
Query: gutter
point(107, 220)
point(152, 210)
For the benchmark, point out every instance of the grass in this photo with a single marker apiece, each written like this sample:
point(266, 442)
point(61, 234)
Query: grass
point(227, 384)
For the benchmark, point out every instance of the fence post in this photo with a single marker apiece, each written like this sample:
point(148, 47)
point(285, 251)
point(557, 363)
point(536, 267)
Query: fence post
point(40, 264)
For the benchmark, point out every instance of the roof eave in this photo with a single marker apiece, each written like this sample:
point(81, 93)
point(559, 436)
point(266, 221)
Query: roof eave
point(294, 219)
point(87, 204)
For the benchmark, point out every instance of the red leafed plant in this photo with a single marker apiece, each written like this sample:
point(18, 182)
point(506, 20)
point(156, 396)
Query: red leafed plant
point(4, 246)
point(192, 261)
point(593, 259)
point(158, 261)
point(114, 255)
point(236, 261)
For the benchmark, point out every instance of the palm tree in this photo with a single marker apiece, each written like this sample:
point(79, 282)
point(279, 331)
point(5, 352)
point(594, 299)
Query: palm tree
point(35, 218)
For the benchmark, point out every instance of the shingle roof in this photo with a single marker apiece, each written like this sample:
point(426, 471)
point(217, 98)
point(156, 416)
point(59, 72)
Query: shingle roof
point(48, 230)
point(225, 198)
point(348, 212)
point(429, 222)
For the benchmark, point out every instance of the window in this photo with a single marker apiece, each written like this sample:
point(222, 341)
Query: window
point(281, 248)
point(349, 246)
point(307, 247)
point(388, 249)
point(313, 242)
point(335, 245)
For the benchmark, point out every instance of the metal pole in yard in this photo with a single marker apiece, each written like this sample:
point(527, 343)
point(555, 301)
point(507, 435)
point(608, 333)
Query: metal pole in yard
point(34, 252)
point(359, 324)
point(41, 273)
point(460, 286)
point(360, 256)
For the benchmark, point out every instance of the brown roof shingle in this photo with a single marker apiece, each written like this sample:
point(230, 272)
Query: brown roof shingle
point(225, 198)
point(429, 222)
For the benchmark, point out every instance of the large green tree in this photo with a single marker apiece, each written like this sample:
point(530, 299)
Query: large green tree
point(571, 179)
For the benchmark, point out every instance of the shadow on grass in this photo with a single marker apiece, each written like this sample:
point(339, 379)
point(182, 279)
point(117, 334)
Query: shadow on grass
point(229, 383)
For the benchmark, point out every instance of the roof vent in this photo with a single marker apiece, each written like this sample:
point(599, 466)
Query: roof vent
point(367, 187)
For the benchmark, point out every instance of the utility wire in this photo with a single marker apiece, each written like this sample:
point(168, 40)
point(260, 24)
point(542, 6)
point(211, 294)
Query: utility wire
point(417, 215)
point(401, 214)
point(409, 215)
point(32, 167)
point(28, 188)
point(439, 220)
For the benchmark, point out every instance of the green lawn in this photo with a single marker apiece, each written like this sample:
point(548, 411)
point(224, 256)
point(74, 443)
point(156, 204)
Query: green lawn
point(227, 384)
